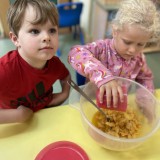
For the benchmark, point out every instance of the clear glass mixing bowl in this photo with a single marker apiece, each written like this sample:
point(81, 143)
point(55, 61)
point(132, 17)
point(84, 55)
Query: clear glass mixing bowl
point(139, 98)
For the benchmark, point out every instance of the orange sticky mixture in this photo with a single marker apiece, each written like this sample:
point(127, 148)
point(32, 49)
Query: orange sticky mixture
point(120, 124)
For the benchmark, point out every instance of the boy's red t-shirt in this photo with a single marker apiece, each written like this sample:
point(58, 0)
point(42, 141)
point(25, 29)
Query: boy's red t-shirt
point(21, 84)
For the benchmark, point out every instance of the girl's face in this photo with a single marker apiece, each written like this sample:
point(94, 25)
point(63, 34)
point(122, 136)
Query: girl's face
point(36, 43)
point(130, 40)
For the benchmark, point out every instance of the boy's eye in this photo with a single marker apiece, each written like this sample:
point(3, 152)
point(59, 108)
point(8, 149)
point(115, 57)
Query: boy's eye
point(34, 31)
point(53, 30)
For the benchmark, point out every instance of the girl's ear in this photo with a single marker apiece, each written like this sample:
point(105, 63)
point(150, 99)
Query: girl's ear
point(14, 38)
point(114, 31)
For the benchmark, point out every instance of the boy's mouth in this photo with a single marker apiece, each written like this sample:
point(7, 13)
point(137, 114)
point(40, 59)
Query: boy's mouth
point(46, 48)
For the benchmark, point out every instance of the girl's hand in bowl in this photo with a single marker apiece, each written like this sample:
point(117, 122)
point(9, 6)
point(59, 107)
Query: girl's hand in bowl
point(113, 93)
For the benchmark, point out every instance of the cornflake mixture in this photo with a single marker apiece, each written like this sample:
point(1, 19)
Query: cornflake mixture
point(120, 124)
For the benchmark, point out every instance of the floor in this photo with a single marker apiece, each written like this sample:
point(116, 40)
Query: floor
point(66, 42)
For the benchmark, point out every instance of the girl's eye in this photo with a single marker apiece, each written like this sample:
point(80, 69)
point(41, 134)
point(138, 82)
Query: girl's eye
point(127, 42)
point(34, 31)
point(141, 44)
point(53, 30)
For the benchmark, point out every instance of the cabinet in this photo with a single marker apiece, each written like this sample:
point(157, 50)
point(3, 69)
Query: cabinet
point(99, 24)
point(4, 5)
point(100, 10)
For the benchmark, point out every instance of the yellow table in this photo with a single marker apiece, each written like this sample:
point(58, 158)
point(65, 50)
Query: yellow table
point(25, 141)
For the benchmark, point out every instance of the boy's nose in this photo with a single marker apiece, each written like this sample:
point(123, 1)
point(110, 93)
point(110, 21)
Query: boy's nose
point(46, 37)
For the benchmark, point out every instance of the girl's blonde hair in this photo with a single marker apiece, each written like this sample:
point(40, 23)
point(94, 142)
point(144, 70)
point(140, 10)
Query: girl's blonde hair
point(45, 10)
point(141, 12)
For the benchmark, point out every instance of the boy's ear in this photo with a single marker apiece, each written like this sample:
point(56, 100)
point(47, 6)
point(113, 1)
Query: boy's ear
point(13, 38)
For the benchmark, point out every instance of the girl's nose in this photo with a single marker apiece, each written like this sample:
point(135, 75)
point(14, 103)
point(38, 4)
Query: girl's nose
point(132, 50)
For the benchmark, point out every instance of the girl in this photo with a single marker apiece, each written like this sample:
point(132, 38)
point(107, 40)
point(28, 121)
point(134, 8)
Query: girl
point(136, 23)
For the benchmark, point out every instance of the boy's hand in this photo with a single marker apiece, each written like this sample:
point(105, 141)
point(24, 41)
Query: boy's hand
point(113, 91)
point(59, 98)
point(19, 115)
point(24, 113)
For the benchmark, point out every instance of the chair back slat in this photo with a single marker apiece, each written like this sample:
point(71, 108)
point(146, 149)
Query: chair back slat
point(69, 13)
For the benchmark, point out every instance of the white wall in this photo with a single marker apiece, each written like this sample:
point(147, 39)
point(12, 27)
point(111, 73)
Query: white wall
point(85, 18)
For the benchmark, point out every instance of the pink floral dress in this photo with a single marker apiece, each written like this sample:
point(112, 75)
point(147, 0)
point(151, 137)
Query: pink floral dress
point(99, 62)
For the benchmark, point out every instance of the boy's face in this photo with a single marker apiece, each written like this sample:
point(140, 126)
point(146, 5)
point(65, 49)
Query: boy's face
point(130, 40)
point(36, 43)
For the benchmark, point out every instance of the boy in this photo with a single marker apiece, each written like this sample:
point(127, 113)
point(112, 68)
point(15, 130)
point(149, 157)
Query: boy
point(28, 73)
